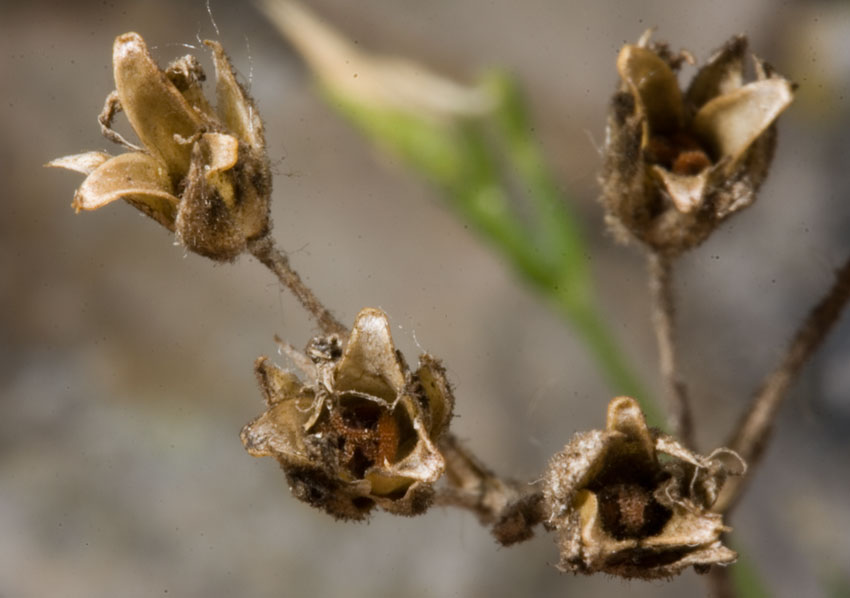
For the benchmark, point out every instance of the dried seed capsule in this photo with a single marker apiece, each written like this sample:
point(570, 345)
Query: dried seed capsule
point(202, 173)
point(361, 431)
point(617, 508)
point(677, 164)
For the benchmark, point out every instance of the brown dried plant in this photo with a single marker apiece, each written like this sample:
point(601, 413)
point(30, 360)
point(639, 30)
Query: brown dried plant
point(359, 429)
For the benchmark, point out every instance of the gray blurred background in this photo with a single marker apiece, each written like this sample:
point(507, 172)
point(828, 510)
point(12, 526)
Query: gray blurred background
point(126, 368)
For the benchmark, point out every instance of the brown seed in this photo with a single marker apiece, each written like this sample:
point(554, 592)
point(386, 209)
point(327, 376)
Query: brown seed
point(388, 438)
point(623, 509)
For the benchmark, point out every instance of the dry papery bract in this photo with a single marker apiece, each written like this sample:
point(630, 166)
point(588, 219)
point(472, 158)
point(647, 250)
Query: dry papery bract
point(676, 163)
point(634, 502)
point(200, 172)
point(361, 431)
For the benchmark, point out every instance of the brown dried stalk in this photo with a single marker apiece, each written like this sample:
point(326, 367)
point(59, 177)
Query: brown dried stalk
point(663, 320)
point(267, 252)
point(471, 484)
point(513, 509)
point(755, 427)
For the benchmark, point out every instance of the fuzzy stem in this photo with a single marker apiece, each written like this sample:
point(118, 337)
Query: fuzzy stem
point(663, 320)
point(267, 252)
point(471, 485)
point(755, 427)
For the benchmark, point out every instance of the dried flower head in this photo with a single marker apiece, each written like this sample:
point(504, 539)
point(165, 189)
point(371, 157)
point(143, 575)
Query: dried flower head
point(679, 163)
point(362, 431)
point(200, 172)
point(619, 508)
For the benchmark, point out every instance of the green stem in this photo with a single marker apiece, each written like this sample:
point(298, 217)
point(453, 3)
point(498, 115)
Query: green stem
point(576, 305)
point(563, 276)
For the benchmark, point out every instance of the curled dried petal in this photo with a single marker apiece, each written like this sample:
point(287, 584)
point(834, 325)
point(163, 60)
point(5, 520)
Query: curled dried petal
point(730, 123)
point(157, 111)
point(138, 178)
point(84, 163)
point(653, 81)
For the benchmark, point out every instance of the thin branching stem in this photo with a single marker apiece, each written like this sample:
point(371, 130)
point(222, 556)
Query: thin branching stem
point(663, 320)
point(755, 427)
point(471, 485)
point(267, 252)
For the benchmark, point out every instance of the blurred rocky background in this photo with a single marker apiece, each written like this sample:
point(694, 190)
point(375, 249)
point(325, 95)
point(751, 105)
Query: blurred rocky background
point(126, 364)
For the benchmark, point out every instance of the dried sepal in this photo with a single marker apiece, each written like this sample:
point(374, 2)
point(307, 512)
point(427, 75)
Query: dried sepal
point(361, 431)
point(201, 172)
point(618, 508)
point(678, 164)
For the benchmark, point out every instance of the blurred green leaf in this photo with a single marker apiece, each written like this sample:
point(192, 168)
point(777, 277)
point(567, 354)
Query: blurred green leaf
point(491, 172)
point(837, 584)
